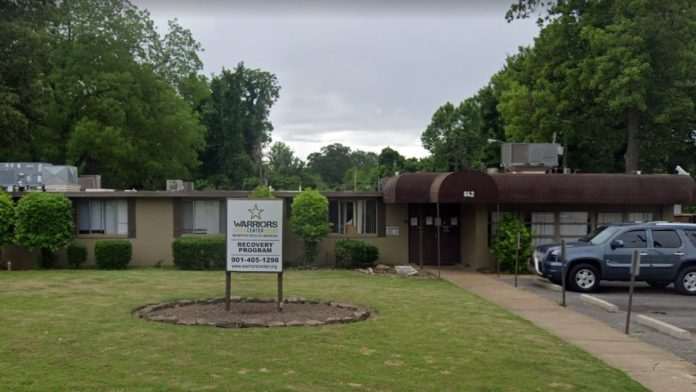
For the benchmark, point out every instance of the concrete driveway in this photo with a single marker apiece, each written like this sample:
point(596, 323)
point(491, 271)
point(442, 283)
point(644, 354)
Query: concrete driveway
point(663, 304)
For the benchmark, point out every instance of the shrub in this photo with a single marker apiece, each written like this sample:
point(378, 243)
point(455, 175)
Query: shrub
point(199, 253)
point(76, 254)
point(112, 254)
point(44, 221)
point(7, 219)
point(355, 254)
point(505, 243)
point(310, 220)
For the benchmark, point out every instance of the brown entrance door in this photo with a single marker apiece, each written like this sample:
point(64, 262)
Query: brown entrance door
point(422, 234)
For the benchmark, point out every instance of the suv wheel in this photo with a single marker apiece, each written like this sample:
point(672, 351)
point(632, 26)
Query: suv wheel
point(686, 281)
point(583, 278)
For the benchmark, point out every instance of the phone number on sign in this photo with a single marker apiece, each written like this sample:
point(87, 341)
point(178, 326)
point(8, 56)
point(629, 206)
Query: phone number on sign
point(255, 259)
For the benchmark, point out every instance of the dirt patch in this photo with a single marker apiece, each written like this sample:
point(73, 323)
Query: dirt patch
point(252, 312)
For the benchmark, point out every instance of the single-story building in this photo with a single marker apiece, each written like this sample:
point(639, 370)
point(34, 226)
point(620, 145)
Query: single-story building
point(401, 220)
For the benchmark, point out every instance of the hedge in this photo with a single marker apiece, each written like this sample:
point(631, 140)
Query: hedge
point(355, 254)
point(77, 255)
point(112, 254)
point(199, 253)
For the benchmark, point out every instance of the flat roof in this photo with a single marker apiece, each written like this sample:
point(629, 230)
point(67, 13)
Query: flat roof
point(199, 194)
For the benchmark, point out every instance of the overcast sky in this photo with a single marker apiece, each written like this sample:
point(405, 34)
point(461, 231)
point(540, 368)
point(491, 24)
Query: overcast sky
point(353, 72)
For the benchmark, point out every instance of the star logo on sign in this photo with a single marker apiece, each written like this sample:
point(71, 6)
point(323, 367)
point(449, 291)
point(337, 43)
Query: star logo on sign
point(255, 212)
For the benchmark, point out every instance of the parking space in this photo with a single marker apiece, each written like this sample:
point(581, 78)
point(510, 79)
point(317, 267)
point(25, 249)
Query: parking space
point(663, 304)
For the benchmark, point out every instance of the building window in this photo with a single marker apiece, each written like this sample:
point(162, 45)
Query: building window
point(353, 216)
point(640, 216)
point(102, 217)
point(573, 225)
point(202, 217)
point(543, 228)
point(609, 218)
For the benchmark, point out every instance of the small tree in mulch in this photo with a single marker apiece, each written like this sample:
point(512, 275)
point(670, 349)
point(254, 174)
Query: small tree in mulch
point(7, 220)
point(44, 221)
point(505, 243)
point(310, 221)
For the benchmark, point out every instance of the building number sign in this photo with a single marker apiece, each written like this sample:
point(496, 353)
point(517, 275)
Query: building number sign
point(469, 194)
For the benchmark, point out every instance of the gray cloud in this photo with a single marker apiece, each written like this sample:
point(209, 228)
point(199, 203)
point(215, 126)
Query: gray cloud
point(367, 80)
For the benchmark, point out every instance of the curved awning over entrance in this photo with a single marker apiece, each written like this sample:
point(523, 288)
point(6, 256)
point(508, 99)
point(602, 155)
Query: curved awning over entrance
point(478, 187)
point(451, 187)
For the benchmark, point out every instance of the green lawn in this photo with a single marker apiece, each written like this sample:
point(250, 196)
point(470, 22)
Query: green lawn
point(73, 330)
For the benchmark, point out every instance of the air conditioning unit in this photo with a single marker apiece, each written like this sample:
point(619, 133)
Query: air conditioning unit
point(520, 156)
point(175, 185)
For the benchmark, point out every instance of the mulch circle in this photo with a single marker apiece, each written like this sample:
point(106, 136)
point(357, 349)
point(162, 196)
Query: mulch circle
point(252, 312)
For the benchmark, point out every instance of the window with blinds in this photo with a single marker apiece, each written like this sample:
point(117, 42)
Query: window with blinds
point(352, 217)
point(102, 217)
point(202, 217)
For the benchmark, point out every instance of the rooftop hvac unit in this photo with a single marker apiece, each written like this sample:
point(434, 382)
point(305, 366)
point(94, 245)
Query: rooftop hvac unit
point(530, 155)
point(175, 185)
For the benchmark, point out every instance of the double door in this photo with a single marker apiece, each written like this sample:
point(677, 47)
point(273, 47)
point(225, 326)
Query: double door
point(423, 226)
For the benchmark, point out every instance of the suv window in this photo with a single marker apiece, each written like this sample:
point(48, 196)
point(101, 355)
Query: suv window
point(666, 239)
point(691, 235)
point(634, 239)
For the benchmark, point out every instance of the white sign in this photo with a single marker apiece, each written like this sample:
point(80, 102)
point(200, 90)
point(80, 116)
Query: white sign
point(392, 231)
point(469, 194)
point(254, 235)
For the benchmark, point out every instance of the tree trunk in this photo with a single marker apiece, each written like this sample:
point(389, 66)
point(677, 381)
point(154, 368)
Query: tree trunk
point(632, 157)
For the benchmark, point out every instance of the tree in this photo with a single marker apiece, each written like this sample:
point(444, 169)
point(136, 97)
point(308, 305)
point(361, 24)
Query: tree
point(285, 170)
point(455, 136)
point(92, 83)
point(625, 63)
point(505, 243)
point(331, 164)
point(236, 116)
point(7, 220)
point(44, 221)
point(390, 162)
point(24, 46)
point(310, 221)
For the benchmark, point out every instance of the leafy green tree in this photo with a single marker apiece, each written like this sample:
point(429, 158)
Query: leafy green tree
point(44, 221)
point(505, 244)
point(310, 221)
point(285, 170)
point(390, 161)
point(24, 46)
point(7, 220)
point(608, 71)
point(455, 136)
point(236, 116)
point(331, 164)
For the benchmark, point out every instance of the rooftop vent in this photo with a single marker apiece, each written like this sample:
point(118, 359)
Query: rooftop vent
point(530, 156)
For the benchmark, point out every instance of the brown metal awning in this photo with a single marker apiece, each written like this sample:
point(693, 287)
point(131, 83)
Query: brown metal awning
point(451, 187)
point(616, 189)
point(479, 187)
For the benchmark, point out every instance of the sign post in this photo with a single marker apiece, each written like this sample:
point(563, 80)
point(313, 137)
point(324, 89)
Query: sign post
point(635, 270)
point(517, 257)
point(564, 272)
point(254, 240)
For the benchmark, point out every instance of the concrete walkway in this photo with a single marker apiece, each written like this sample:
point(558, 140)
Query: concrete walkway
point(656, 369)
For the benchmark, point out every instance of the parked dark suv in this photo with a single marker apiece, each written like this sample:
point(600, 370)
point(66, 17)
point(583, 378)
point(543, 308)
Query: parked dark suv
point(668, 254)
